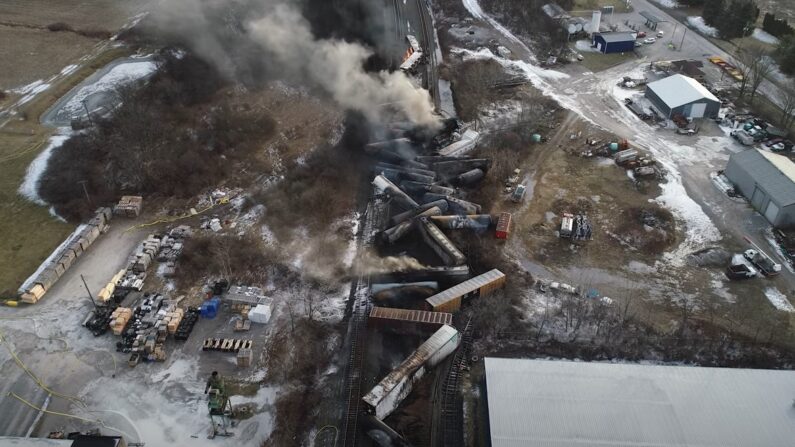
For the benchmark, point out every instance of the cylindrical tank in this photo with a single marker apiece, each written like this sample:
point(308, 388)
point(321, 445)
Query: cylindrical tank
point(613, 147)
point(472, 221)
point(596, 20)
point(470, 177)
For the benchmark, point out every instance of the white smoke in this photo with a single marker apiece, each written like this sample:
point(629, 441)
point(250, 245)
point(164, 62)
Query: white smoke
point(338, 68)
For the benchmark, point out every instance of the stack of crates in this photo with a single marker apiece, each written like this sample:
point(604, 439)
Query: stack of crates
point(119, 319)
point(128, 206)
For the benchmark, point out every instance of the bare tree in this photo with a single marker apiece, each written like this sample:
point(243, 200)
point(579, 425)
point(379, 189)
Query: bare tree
point(754, 64)
point(761, 67)
point(788, 106)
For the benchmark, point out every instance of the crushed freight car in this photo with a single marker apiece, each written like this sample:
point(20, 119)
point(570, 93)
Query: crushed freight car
point(405, 319)
point(450, 300)
point(439, 243)
point(385, 397)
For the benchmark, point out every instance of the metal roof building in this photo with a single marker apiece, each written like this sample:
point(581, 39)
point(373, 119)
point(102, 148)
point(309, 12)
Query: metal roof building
point(568, 404)
point(679, 94)
point(767, 180)
point(617, 42)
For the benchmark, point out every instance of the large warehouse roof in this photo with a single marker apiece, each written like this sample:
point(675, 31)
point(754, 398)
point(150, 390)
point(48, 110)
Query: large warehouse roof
point(774, 173)
point(568, 404)
point(678, 90)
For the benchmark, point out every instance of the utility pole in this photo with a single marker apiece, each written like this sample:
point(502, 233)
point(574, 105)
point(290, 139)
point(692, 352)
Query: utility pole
point(88, 114)
point(89, 293)
point(683, 40)
point(85, 191)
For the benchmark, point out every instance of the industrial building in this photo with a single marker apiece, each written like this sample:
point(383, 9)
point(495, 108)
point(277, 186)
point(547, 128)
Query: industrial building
point(682, 95)
point(767, 180)
point(564, 403)
point(617, 42)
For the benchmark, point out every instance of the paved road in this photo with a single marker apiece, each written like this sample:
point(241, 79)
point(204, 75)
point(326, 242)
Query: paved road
point(72, 357)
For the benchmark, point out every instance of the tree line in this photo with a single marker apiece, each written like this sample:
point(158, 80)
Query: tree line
point(732, 18)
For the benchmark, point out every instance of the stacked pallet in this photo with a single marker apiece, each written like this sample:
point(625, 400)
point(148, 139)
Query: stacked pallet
point(119, 319)
point(65, 256)
point(128, 206)
point(226, 344)
point(131, 281)
point(173, 319)
point(143, 256)
point(244, 357)
point(106, 293)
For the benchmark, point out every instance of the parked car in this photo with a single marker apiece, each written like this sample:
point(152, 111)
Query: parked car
point(641, 35)
point(518, 194)
point(660, 33)
point(650, 40)
point(638, 44)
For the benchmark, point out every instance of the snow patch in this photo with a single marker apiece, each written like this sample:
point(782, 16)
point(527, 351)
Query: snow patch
point(30, 91)
point(671, 4)
point(697, 22)
point(778, 299)
point(119, 75)
point(764, 36)
point(30, 185)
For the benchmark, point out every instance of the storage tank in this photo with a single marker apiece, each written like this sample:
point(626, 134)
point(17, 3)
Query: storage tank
point(596, 20)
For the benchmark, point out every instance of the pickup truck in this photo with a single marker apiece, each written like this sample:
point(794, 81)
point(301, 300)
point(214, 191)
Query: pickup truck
point(741, 268)
point(767, 266)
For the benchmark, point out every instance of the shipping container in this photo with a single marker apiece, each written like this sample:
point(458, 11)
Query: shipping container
point(503, 226)
point(408, 319)
point(385, 397)
point(450, 300)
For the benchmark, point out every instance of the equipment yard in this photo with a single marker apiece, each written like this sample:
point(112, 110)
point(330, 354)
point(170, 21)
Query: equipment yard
point(277, 223)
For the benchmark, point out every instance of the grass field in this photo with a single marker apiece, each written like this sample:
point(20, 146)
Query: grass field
point(29, 232)
point(597, 61)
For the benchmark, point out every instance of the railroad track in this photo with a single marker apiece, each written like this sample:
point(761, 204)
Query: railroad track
point(452, 422)
point(429, 42)
point(373, 220)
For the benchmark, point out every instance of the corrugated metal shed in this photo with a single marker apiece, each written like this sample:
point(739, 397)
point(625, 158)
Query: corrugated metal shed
point(567, 404)
point(618, 37)
point(773, 173)
point(678, 90)
point(465, 288)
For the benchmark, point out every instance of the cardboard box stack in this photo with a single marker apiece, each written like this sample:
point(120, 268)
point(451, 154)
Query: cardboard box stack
point(119, 319)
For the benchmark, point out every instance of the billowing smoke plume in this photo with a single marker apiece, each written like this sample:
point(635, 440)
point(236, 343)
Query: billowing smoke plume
point(275, 33)
point(370, 264)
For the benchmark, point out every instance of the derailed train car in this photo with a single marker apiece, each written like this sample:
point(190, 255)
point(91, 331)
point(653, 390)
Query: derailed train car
point(450, 300)
point(385, 397)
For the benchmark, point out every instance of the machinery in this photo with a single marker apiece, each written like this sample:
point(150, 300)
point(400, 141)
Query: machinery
point(220, 409)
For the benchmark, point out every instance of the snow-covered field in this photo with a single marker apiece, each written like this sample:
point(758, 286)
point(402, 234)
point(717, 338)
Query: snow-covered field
point(697, 22)
point(119, 75)
point(30, 185)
